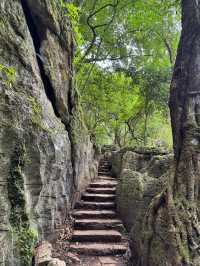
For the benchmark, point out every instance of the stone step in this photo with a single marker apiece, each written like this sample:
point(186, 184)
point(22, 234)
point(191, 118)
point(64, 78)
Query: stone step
point(98, 224)
point(105, 177)
point(92, 205)
point(104, 173)
point(104, 170)
point(98, 197)
point(96, 236)
point(101, 190)
point(104, 161)
point(99, 249)
point(85, 214)
point(104, 183)
point(97, 231)
point(104, 167)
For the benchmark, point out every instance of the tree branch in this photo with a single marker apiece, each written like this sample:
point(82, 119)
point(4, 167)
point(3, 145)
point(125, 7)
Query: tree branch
point(94, 27)
point(90, 60)
point(169, 50)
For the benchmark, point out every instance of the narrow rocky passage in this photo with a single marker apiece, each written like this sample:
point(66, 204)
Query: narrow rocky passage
point(98, 233)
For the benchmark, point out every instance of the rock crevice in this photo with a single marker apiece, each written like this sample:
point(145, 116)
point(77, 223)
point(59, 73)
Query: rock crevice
point(37, 41)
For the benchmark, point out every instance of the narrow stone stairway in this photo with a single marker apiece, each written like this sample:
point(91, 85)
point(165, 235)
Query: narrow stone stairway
point(98, 233)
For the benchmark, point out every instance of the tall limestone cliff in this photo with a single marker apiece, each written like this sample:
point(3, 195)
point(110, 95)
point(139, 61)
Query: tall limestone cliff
point(46, 153)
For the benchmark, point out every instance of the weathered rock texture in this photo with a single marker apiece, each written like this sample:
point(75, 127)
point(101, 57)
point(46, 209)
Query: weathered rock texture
point(46, 153)
point(142, 176)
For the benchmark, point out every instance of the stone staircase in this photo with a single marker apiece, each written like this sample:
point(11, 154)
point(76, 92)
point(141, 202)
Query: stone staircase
point(97, 229)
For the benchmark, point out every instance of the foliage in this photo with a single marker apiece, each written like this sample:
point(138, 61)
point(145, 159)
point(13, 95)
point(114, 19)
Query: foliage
point(73, 12)
point(124, 67)
point(115, 108)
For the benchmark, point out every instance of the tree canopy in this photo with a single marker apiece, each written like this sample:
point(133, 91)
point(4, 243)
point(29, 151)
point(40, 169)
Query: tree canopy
point(124, 61)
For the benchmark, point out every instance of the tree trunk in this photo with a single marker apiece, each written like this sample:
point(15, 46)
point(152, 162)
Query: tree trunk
point(117, 137)
point(185, 104)
point(145, 129)
point(172, 225)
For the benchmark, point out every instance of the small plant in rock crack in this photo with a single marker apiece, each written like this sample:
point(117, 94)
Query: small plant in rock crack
point(7, 75)
point(37, 115)
point(24, 240)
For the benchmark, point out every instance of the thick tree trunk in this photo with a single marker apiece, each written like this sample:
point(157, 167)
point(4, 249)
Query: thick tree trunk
point(172, 224)
point(185, 104)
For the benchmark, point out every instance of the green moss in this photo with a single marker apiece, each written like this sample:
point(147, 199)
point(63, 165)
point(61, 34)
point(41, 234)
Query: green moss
point(7, 124)
point(24, 240)
point(7, 75)
point(77, 126)
point(16, 186)
point(36, 108)
point(23, 237)
point(182, 203)
point(184, 252)
point(2, 23)
point(37, 116)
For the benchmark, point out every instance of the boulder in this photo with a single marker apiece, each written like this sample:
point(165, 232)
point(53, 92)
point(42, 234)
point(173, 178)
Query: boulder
point(135, 191)
point(129, 196)
point(142, 177)
point(43, 254)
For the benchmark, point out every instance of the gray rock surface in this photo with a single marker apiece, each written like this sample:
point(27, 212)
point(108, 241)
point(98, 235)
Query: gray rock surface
point(43, 253)
point(56, 262)
point(46, 153)
point(141, 178)
point(116, 161)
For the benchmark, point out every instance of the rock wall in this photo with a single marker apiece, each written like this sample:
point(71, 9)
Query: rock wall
point(142, 176)
point(46, 153)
